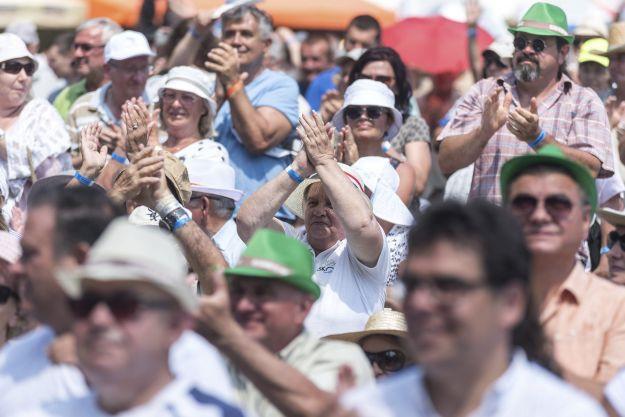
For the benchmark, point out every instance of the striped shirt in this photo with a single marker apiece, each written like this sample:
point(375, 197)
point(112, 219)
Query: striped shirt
point(573, 115)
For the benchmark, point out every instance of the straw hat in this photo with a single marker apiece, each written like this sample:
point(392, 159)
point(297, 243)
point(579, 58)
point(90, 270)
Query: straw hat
point(386, 322)
point(616, 39)
point(614, 217)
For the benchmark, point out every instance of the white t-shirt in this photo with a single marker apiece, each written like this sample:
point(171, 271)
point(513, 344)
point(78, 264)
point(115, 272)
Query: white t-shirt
point(350, 290)
point(524, 390)
point(615, 392)
point(28, 378)
point(178, 399)
point(229, 243)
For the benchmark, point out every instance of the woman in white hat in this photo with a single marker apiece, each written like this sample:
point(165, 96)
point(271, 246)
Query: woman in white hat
point(33, 138)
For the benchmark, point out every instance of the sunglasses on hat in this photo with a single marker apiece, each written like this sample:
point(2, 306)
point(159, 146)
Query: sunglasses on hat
point(614, 237)
point(122, 304)
point(15, 67)
point(387, 360)
point(538, 45)
point(372, 112)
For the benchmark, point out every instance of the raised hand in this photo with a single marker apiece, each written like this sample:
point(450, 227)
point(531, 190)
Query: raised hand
point(495, 115)
point(331, 102)
point(214, 312)
point(112, 137)
point(93, 155)
point(346, 147)
point(144, 171)
point(317, 144)
point(135, 119)
point(224, 61)
point(524, 124)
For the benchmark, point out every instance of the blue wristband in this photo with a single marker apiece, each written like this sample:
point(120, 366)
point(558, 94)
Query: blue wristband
point(181, 222)
point(538, 139)
point(194, 33)
point(83, 180)
point(471, 32)
point(294, 175)
point(604, 250)
point(121, 159)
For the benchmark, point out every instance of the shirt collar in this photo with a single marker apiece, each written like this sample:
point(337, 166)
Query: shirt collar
point(575, 284)
point(508, 82)
point(294, 344)
point(98, 103)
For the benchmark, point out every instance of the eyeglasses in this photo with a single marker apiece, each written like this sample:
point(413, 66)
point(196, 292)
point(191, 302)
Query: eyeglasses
point(15, 67)
point(387, 360)
point(373, 112)
point(538, 45)
point(86, 47)
point(6, 293)
point(186, 99)
point(385, 79)
point(614, 237)
point(445, 289)
point(123, 305)
point(558, 206)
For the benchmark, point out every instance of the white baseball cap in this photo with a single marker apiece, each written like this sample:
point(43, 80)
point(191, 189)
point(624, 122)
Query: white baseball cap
point(370, 93)
point(125, 45)
point(502, 47)
point(195, 81)
point(12, 47)
point(210, 176)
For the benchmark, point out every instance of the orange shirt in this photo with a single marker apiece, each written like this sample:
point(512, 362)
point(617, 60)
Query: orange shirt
point(585, 321)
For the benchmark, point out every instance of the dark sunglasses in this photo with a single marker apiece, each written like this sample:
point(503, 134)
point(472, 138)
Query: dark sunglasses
point(614, 237)
point(86, 47)
point(387, 360)
point(123, 305)
point(445, 289)
point(385, 79)
point(14, 67)
point(6, 293)
point(372, 112)
point(558, 206)
point(538, 45)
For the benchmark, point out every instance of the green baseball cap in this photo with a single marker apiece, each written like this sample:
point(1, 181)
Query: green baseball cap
point(274, 255)
point(544, 19)
point(548, 155)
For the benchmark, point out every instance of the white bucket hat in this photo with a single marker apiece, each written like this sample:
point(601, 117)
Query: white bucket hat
point(195, 81)
point(12, 47)
point(382, 180)
point(212, 177)
point(25, 29)
point(129, 253)
point(125, 45)
point(370, 93)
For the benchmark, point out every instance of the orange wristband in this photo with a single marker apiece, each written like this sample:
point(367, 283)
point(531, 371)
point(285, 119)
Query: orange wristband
point(234, 88)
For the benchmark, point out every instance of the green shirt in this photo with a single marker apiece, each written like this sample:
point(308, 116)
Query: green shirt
point(68, 96)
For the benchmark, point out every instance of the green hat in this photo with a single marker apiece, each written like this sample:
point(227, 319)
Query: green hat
point(548, 155)
point(273, 255)
point(544, 19)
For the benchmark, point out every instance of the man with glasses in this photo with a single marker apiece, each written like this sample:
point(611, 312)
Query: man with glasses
point(127, 66)
point(534, 105)
point(91, 36)
point(583, 315)
point(615, 248)
point(471, 326)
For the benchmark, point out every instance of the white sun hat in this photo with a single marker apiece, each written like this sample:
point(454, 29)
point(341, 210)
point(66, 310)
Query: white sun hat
point(195, 81)
point(12, 47)
point(370, 93)
point(125, 45)
point(209, 176)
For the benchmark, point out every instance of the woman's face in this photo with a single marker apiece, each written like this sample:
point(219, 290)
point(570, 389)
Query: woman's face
point(182, 110)
point(15, 82)
point(8, 303)
point(385, 352)
point(381, 71)
point(368, 123)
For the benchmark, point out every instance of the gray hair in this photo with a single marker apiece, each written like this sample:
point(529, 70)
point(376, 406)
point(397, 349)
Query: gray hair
point(265, 23)
point(222, 207)
point(108, 26)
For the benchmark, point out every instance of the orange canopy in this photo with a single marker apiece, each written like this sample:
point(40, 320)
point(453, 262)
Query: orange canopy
point(124, 12)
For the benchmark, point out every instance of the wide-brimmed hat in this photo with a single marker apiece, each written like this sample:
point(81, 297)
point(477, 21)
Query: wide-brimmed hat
point(12, 47)
point(129, 253)
point(195, 81)
point(544, 19)
point(593, 26)
point(273, 255)
point(177, 177)
point(616, 39)
point(386, 322)
point(590, 50)
point(212, 177)
point(125, 45)
point(370, 93)
point(295, 202)
point(614, 217)
point(549, 155)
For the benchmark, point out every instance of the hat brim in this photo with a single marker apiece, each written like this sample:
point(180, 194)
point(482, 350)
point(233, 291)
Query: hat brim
point(252, 272)
point(614, 217)
point(295, 202)
point(356, 337)
point(516, 165)
point(613, 50)
point(180, 85)
point(230, 193)
point(541, 32)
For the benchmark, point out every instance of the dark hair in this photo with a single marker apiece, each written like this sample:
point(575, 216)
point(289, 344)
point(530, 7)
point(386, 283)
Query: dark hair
point(560, 43)
point(313, 38)
point(404, 89)
point(366, 22)
point(82, 214)
point(64, 42)
point(496, 236)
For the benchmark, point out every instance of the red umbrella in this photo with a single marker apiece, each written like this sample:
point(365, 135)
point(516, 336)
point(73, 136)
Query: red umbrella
point(433, 44)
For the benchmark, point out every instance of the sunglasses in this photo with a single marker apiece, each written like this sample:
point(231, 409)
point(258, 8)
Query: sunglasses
point(384, 79)
point(6, 293)
point(614, 237)
point(558, 206)
point(15, 67)
point(538, 45)
point(123, 305)
point(387, 360)
point(372, 112)
point(445, 289)
point(86, 47)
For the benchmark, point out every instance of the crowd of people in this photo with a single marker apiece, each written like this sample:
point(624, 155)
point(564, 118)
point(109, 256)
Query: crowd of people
point(224, 218)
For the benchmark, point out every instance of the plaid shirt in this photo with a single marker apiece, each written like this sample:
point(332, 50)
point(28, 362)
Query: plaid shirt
point(573, 115)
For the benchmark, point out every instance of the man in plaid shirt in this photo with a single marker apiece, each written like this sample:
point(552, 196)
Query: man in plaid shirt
point(534, 105)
